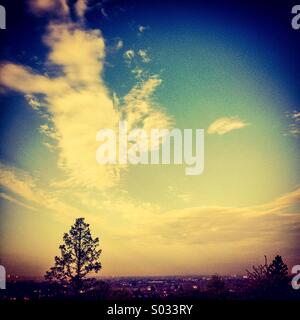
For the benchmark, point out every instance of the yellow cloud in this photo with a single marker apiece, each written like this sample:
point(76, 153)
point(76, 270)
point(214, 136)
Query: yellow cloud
point(81, 6)
point(140, 111)
point(79, 52)
point(226, 124)
point(219, 225)
point(80, 104)
point(24, 80)
point(285, 201)
point(32, 101)
point(21, 184)
point(16, 201)
point(60, 7)
point(216, 232)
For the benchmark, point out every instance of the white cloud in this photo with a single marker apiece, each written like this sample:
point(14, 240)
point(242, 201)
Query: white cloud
point(129, 55)
point(144, 56)
point(225, 125)
point(142, 29)
point(138, 72)
point(119, 44)
point(104, 13)
point(294, 123)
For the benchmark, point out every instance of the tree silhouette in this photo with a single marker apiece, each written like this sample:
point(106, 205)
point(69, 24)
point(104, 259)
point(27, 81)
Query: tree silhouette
point(79, 256)
point(259, 278)
point(278, 275)
point(270, 280)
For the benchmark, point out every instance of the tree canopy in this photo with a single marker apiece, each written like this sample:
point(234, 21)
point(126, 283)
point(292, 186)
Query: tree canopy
point(79, 256)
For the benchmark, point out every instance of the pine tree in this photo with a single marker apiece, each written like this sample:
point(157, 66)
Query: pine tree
point(278, 275)
point(79, 256)
point(270, 280)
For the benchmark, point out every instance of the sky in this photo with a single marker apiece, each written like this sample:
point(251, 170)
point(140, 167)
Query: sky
point(69, 69)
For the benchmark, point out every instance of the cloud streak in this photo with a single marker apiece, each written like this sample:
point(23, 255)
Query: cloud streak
point(225, 125)
point(18, 183)
point(274, 222)
point(294, 123)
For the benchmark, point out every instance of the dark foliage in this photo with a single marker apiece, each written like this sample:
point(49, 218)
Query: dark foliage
point(79, 257)
point(270, 280)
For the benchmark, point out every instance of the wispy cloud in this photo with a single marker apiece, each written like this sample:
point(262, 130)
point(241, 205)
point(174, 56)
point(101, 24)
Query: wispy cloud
point(10, 198)
point(144, 55)
point(59, 7)
point(81, 7)
point(142, 29)
point(18, 183)
point(140, 111)
point(275, 221)
point(104, 13)
point(79, 94)
point(225, 125)
point(129, 55)
point(80, 104)
point(294, 123)
point(119, 44)
point(32, 101)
